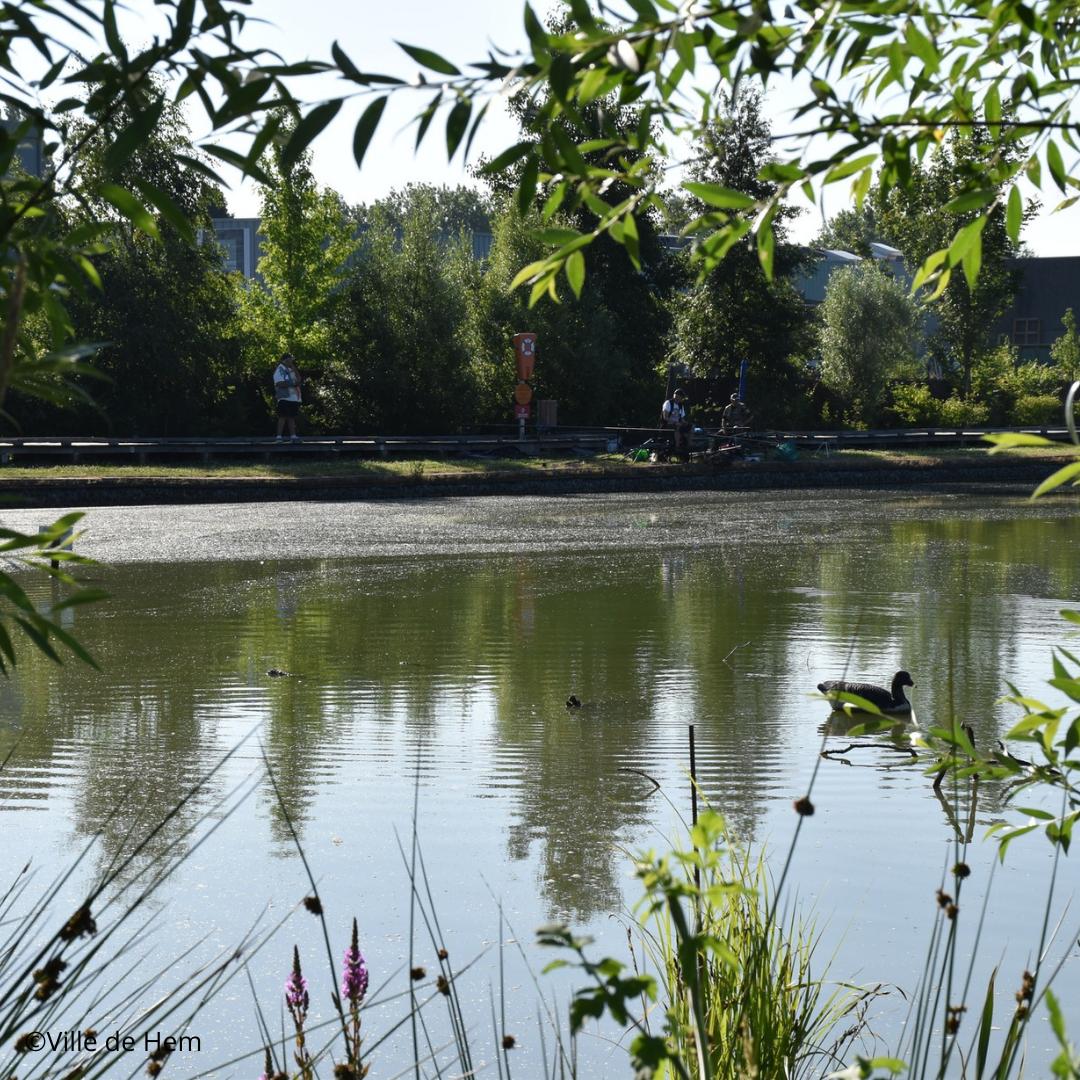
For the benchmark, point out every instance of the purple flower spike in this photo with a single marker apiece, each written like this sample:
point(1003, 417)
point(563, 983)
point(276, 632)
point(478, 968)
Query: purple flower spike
point(296, 994)
point(354, 976)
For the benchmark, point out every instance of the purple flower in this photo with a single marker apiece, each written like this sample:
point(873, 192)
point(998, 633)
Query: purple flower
point(354, 976)
point(296, 995)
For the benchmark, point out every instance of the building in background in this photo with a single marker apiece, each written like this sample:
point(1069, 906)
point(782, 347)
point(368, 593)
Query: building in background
point(1047, 287)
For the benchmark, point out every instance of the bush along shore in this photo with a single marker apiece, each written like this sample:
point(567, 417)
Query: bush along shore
point(112, 485)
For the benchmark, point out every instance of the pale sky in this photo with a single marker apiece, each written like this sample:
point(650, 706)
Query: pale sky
point(463, 30)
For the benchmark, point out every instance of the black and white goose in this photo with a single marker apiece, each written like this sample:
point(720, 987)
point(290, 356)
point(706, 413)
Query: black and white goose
point(888, 701)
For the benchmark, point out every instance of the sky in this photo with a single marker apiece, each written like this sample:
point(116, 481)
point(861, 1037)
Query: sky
point(464, 30)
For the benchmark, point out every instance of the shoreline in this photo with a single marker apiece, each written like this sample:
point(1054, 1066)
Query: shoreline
point(976, 474)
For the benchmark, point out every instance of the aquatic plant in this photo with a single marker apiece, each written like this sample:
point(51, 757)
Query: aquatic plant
point(737, 992)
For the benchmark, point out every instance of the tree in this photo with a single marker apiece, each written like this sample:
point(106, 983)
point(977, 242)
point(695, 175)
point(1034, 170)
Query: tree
point(884, 86)
point(851, 229)
point(166, 375)
point(308, 238)
point(736, 312)
point(867, 320)
point(1065, 351)
point(909, 218)
point(397, 330)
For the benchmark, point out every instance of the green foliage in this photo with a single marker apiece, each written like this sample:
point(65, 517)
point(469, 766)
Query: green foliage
point(866, 330)
point(999, 381)
point(1040, 410)
point(50, 552)
point(398, 329)
point(737, 313)
point(913, 405)
point(959, 412)
point(886, 89)
point(910, 217)
point(1065, 351)
point(308, 238)
point(851, 229)
point(738, 992)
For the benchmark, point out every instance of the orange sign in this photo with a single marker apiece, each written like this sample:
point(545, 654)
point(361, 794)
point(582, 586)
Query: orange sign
point(523, 393)
point(525, 354)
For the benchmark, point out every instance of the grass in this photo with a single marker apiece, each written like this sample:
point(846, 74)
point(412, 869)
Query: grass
point(294, 469)
point(421, 468)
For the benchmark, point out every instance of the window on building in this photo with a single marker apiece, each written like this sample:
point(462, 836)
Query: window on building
point(1026, 332)
point(232, 240)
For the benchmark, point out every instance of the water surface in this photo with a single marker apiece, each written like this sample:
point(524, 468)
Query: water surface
point(433, 646)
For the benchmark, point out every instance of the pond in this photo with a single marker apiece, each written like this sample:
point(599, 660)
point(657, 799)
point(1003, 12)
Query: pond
point(432, 646)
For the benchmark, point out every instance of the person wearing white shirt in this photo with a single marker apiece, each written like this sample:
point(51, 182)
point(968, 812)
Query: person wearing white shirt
point(287, 391)
point(675, 415)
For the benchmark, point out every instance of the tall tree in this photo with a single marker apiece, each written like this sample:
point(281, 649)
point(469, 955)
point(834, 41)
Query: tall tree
point(736, 313)
point(401, 361)
point(308, 239)
point(169, 374)
point(911, 219)
point(866, 332)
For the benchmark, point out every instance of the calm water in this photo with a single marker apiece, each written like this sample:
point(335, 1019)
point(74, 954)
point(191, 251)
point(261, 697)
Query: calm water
point(435, 645)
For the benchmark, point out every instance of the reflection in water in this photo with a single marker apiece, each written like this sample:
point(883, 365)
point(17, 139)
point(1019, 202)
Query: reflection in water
point(441, 665)
point(444, 680)
point(456, 671)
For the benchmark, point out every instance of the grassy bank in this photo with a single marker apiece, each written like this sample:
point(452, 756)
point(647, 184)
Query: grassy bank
point(414, 469)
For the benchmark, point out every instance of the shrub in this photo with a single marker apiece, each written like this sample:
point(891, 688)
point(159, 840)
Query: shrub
point(914, 406)
point(956, 412)
point(1037, 409)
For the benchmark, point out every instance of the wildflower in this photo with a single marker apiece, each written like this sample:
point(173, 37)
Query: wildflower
point(417, 973)
point(443, 954)
point(962, 870)
point(442, 986)
point(81, 924)
point(951, 911)
point(154, 1068)
point(943, 898)
point(296, 994)
point(508, 1042)
point(313, 904)
point(25, 1043)
point(1026, 991)
point(804, 807)
point(354, 975)
point(268, 1066)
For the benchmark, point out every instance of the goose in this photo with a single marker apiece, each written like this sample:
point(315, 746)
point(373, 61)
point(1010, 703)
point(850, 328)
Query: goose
point(887, 701)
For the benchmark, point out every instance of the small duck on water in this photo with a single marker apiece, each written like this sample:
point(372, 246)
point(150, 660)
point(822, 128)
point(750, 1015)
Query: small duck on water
point(888, 701)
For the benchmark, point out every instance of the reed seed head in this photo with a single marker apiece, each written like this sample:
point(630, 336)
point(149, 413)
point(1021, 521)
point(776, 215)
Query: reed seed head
point(81, 924)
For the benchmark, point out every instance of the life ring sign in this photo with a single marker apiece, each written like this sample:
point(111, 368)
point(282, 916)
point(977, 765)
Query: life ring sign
point(525, 355)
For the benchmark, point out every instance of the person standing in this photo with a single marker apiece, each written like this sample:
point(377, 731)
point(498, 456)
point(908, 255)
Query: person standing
point(675, 415)
point(288, 385)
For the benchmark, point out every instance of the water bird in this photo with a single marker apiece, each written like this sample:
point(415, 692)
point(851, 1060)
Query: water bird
point(888, 701)
point(277, 673)
point(572, 702)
